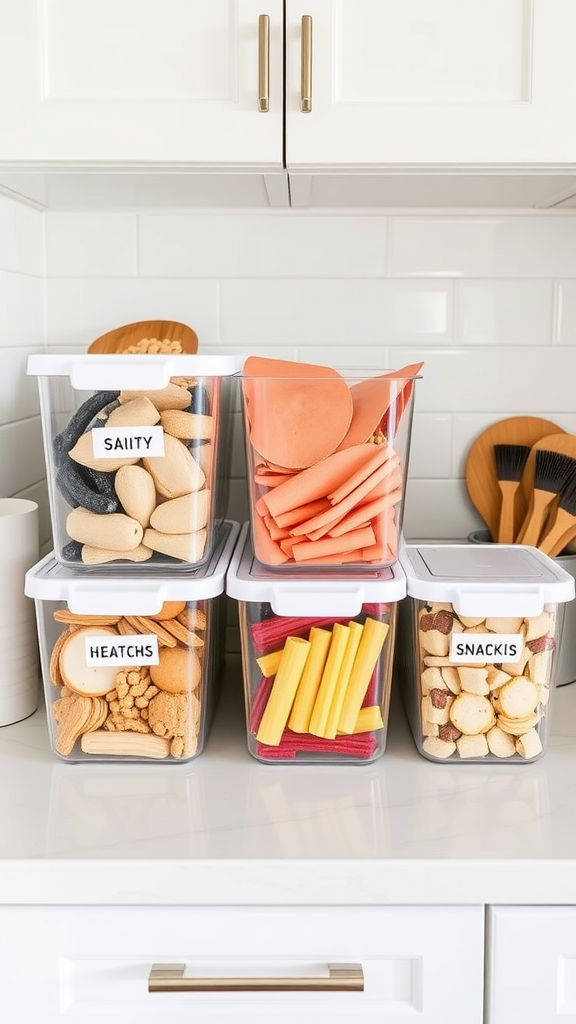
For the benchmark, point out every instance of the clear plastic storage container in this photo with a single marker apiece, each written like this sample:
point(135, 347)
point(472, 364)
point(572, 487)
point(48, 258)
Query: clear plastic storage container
point(131, 664)
point(478, 641)
point(327, 457)
point(137, 454)
point(316, 659)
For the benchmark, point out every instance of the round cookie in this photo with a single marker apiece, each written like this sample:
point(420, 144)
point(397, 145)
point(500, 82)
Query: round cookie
point(87, 680)
point(178, 670)
point(472, 713)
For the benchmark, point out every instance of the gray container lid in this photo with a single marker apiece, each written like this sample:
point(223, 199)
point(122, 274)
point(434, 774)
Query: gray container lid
point(485, 579)
point(310, 593)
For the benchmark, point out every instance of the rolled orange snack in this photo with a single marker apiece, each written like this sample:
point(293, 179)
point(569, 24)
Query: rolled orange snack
point(357, 518)
point(382, 454)
point(266, 549)
point(331, 516)
point(317, 481)
point(302, 512)
point(308, 550)
point(283, 692)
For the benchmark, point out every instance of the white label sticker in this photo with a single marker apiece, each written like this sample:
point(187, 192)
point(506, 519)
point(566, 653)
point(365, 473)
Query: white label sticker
point(120, 442)
point(485, 648)
point(122, 650)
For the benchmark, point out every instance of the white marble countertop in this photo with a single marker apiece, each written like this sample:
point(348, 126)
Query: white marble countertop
point(224, 829)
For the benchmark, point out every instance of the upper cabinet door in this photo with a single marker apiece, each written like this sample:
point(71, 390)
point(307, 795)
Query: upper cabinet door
point(141, 81)
point(435, 82)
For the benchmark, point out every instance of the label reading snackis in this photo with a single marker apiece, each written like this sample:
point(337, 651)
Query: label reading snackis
point(112, 442)
point(485, 648)
point(122, 650)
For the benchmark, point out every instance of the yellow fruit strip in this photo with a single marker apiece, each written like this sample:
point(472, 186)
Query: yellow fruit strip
point(369, 719)
point(283, 691)
point(371, 644)
point(299, 720)
point(269, 663)
point(321, 709)
point(356, 630)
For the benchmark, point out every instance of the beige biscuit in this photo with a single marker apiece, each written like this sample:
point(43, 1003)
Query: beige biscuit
point(539, 667)
point(125, 628)
point(125, 744)
point(472, 746)
point(468, 621)
point(183, 635)
point(429, 728)
point(496, 678)
point(499, 624)
point(169, 610)
point(518, 726)
point(438, 748)
point(140, 412)
point(98, 714)
point(516, 668)
point(71, 714)
point(193, 617)
point(171, 397)
point(55, 673)
point(99, 556)
point(539, 625)
point(474, 680)
point(136, 492)
point(87, 680)
point(188, 426)
point(179, 670)
point(434, 661)
point(529, 745)
point(431, 678)
point(500, 743)
point(83, 453)
point(439, 703)
point(65, 615)
point(189, 547)
point(147, 625)
point(114, 532)
point(518, 698)
point(472, 713)
point(451, 678)
point(435, 642)
point(186, 514)
point(176, 472)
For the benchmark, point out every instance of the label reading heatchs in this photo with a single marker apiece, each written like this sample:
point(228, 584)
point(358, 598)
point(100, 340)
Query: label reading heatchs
point(485, 648)
point(122, 650)
point(117, 442)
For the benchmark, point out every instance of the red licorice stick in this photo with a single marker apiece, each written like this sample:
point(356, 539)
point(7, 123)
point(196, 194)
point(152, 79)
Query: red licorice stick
point(360, 746)
point(270, 634)
point(259, 702)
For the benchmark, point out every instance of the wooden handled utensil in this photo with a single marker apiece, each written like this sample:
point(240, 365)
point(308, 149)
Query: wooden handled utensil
point(481, 479)
point(563, 528)
point(510, 462)
point(552, 471)
point(133, 336)
point(560, 442)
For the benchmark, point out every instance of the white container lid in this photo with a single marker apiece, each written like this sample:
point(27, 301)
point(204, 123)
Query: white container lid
point(312, 593)
point(100, 592)
point(136, 373)
point(485, 579)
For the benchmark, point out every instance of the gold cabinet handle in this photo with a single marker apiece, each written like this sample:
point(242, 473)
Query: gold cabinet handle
point(341, 978)
point(263, 63)
point(306, 65)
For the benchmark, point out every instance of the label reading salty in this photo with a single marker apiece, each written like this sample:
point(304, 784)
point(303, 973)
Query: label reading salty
point(112, 442)
point(122, 650)
point(485, 648)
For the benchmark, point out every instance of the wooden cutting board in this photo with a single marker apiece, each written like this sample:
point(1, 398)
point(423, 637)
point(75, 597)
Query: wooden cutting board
point(122, 338)
point(481, 479)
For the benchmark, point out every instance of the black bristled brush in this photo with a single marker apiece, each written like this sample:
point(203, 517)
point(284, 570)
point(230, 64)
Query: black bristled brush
point(552, 471)
point(510, 462)
point(563, 527)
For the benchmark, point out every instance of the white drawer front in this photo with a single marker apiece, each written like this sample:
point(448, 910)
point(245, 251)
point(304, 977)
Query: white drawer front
point(531, 965)
point(91, 964)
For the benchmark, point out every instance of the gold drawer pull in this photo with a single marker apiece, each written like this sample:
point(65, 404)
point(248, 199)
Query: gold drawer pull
point(170, 978)
point(264, 63)
point(306, 65)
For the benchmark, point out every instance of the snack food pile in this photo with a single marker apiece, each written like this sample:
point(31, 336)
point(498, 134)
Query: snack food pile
point(483, 710)
point(320, 687)
point(148, 711)
point(127, 505)
point(327, 479)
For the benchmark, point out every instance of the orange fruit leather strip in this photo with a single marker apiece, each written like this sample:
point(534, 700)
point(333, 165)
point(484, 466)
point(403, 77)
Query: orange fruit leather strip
point(332, 545)
point(317, 481)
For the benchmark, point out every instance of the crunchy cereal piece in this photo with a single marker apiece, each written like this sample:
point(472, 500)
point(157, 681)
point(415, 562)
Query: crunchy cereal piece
point(472, 746)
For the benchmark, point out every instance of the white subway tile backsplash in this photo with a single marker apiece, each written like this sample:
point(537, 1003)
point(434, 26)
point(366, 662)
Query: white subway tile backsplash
point(29, 241)
point(252, 245)
point(344, 313)
point(91, 244)
point(431, 445)
point(565, 327)
point(438, 510)
point(21, 456)
point(18, 392)
point(485, 246)
point(503, 312)
point(21, 309)
point(8, 247)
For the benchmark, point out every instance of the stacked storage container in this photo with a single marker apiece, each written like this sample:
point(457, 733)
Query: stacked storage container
point(316, 573)
point(130, 603)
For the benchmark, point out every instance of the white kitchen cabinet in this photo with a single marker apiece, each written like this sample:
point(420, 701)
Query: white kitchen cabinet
point(474, 88)
point(414, 103)
point(531, 968)
point(92, 964)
